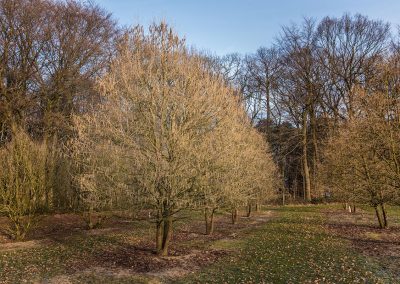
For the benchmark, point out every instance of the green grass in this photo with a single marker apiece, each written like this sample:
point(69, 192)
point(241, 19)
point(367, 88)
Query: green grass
point(390, 208)
point(69, 256)
point(293, 248)
point(46, 262)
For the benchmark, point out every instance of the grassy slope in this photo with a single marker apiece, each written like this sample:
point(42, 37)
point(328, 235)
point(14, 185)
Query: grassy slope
point(294, 248)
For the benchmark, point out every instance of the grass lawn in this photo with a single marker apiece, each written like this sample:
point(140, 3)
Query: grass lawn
point(292, 244)
point(295, 248)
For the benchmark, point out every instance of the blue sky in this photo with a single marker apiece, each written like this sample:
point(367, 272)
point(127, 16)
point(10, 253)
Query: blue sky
point(225, 26)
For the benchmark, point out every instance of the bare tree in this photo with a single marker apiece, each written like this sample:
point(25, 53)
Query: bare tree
point(349, 48)
point(264, 71)
point(300, 87)
point(50, 54)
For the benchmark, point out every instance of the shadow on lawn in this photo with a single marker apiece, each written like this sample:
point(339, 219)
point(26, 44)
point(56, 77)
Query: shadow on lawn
point(361, 231)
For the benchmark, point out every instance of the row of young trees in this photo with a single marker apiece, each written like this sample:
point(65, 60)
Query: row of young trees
point(327, 96)
point(95, 119)
point(176, 135)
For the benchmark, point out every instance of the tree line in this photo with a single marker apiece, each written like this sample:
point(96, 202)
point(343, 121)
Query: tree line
point(326, 94)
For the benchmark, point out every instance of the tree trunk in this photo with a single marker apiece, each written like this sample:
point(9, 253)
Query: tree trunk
point(306, 170)
point(206, 220)
point(18, 232)
point(284, 184)
point(159, 235)
point(248, 210)
point(167, 233)
point(209, 218)
point(267, 95)
point(234, 216)
point(295, 186)
point(385, 222)
point(90, 219)
point(378, 216)
point(315, 158)
point(211, 223)
point(47, 199)
point(257, 207)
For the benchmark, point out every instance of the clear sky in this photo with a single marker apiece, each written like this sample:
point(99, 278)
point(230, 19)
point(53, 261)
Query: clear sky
point(225, 26)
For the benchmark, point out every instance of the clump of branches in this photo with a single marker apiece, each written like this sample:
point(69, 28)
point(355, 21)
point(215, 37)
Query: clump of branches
point(25, 181)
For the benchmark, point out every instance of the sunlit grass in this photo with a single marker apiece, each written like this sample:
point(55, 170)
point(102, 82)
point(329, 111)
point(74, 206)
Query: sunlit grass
point(294, 248)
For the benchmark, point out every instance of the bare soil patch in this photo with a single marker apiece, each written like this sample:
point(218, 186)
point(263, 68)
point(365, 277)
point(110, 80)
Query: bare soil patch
point(9, 246)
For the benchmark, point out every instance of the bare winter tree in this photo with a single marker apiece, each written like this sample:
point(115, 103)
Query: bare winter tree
point(300, 87)
point(263, 72)
point(51, 52)
point(349, 49)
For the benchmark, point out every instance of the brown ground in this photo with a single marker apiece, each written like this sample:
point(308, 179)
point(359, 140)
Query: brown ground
point(133, 254)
